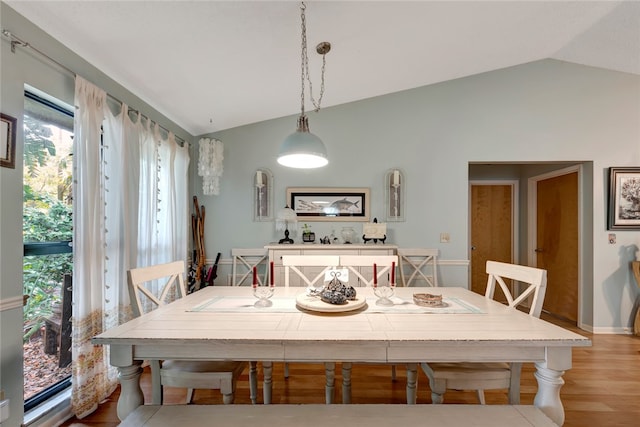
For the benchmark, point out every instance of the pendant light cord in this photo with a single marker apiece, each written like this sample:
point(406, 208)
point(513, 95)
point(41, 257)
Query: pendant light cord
point(322, 49)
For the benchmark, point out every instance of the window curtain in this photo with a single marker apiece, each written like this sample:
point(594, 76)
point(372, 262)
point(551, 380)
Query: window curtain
point(130, 210)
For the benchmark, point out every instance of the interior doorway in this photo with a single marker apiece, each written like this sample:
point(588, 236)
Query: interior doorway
point(555, 238)
point(493, 224)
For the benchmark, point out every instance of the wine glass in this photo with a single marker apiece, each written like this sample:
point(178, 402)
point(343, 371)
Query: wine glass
point(384, 294)
point(263, 293)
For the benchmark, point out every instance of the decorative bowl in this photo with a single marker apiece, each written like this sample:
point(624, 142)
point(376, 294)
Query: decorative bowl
point(427, 300)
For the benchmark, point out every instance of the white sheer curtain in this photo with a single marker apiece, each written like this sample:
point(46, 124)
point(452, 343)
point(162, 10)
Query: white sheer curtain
point(130, 209)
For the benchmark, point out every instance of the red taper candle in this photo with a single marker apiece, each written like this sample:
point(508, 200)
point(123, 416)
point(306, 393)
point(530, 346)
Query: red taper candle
point(393, 273)
point(375, 275)
point(271, 274)
point(255, 277)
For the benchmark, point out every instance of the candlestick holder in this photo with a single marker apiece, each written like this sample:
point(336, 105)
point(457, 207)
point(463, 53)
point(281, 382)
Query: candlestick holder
point(395, 186)
point(263, 293)
point(384, 294)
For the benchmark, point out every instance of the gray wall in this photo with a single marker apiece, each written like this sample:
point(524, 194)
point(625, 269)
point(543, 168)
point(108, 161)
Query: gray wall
point(542, 112)
point(18, 69)
point(546, 111)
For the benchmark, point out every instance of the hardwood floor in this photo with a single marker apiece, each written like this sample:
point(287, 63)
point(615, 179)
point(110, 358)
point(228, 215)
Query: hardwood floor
point(602, 388)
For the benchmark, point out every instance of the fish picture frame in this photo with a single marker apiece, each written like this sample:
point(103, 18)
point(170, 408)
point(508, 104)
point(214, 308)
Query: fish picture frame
point(329, 204)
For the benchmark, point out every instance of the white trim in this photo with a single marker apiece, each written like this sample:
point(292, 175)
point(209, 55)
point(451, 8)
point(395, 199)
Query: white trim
point(454, 262)
point(11, 303)
point(50, 413)
point(611, 330)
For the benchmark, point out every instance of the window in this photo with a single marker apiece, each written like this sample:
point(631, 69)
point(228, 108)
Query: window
point(47, 234)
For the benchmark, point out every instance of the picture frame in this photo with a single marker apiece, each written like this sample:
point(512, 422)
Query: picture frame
point(7, 141)
point(624, 198)
point(330, 204)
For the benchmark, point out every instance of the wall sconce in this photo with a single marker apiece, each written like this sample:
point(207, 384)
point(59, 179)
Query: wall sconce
point(262, 199)
point(394, 184)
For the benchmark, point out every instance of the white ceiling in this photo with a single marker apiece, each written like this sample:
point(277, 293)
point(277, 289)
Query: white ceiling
point(213, 65)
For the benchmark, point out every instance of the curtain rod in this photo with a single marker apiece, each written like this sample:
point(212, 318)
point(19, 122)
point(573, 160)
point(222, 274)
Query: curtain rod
point(16, 41)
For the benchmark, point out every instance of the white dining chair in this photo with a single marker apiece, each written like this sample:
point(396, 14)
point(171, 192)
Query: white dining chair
point(418, 266)
point(156, 285)
point(309, 270)
point(244, 259)
point(532, 284)
point(361, 267)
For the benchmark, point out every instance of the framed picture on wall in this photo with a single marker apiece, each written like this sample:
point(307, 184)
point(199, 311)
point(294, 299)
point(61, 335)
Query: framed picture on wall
point(624, 198)
point(329, 204)
point(7, 141)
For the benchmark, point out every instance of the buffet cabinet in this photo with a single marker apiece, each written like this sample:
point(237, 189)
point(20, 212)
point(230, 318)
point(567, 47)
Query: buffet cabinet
point(276, 252)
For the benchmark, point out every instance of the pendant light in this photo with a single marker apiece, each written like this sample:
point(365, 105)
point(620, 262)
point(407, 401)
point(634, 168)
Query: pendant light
point(302, 149)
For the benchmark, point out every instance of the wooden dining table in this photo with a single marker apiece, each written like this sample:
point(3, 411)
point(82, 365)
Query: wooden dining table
point(221, 323)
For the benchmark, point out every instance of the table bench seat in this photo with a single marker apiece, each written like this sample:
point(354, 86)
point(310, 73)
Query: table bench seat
point(316, 415)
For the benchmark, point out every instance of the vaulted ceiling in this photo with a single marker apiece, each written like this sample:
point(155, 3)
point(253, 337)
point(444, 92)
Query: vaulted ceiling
point(213, 65)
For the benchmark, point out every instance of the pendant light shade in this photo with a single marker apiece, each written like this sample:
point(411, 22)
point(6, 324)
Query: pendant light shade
point(302, 149)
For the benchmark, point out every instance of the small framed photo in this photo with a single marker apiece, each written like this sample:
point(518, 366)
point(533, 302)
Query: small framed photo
point(7, 141)
point(329, 204)
point(624, 198)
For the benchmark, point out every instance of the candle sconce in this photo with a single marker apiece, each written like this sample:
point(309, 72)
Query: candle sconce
point(262, 195)
point(394, 184)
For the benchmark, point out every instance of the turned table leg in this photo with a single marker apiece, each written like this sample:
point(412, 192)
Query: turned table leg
point(548, 397)
point(267, 382)
point(130, 392)
point(330, 379)
point(412, 383)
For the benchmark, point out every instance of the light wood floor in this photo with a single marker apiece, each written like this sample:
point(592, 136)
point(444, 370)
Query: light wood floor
point(602, 388)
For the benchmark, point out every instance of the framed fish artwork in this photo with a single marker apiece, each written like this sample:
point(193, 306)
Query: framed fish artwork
point(329, 204)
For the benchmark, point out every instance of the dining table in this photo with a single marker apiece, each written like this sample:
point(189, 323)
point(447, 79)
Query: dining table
point(223, 323)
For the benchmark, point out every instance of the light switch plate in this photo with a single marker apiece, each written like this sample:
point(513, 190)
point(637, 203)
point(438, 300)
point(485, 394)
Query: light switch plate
point(445, 238)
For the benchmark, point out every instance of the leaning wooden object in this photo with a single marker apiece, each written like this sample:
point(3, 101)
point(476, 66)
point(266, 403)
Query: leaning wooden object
point(636, 272)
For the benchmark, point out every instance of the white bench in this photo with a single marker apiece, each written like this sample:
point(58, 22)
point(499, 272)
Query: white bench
point(317, 415)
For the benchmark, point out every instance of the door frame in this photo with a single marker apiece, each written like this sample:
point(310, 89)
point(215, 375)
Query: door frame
point(515, 219)
point(532, 221)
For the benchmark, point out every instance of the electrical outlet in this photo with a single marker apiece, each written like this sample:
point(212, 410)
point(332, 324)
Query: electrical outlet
point(444, 238)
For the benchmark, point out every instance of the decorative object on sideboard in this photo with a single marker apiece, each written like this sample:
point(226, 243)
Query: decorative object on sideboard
point(210, 165)
point(308, 236)
point(348, 235)
point(302, 149)
point(329, 204)
point(286, 217)
point(394, 184)
point(8, 141)
point(374, 231)
point(262, 195)
point(624, 198)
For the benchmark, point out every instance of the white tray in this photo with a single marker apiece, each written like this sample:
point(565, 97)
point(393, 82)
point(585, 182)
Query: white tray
point(314, 303)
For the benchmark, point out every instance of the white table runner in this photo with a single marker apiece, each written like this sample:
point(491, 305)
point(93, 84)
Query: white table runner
point(241, 304)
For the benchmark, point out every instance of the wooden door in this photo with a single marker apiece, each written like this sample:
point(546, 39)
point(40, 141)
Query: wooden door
point(491, 230)
point(557, 242)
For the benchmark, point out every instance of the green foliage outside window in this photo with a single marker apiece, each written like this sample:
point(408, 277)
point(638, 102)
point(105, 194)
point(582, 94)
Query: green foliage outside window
point(47, 218)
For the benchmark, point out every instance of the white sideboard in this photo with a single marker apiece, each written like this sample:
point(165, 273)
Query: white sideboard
point(276, 252)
